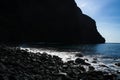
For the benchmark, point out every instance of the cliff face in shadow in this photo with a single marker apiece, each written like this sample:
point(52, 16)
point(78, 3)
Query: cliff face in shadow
point(46, 21)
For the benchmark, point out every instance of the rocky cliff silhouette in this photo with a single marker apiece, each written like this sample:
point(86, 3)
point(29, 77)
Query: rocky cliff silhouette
point(46, 21)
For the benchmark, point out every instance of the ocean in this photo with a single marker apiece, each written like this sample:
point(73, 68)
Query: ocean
point(105, 55)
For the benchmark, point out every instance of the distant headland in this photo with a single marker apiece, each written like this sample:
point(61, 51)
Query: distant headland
point(58, 21)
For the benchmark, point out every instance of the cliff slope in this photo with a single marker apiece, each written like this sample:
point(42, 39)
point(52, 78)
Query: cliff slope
point(46, 21)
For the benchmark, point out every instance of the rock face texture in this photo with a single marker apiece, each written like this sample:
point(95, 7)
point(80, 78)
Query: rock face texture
point(46, 21)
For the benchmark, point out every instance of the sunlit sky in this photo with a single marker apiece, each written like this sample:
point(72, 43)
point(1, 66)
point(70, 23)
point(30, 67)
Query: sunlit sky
point(106, 13)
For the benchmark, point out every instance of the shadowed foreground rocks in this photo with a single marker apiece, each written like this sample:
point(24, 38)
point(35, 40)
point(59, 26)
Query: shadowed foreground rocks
point(58, 21)
point(16, 64)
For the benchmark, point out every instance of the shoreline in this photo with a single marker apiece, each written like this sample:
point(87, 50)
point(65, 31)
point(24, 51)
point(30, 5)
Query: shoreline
point(16, 63)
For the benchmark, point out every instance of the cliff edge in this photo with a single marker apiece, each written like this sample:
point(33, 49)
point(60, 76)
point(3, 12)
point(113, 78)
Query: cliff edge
point(46, 21)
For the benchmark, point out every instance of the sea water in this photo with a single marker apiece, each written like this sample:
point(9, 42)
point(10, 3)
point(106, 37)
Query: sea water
point(106, 55)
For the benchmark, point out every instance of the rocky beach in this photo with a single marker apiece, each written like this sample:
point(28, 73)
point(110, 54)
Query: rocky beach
point(53, 21)
point(19, 64)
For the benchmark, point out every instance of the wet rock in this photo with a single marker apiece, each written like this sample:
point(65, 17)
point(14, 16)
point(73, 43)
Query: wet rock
point(71, 62)
point(91, 68)
point(86, 59)
point(87, 64)
point(102, 65)
point(118, 72)
point(82, 69)
point(2, 67)
point(11, 77)
point(110, 77)
point(94, 75)
point(1, 77)
point(65, 66)
point(117, 64)
point(94, 61)
point(79, 61)
point(62, 73)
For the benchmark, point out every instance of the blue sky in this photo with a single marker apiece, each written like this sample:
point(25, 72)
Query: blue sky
point(106, 13)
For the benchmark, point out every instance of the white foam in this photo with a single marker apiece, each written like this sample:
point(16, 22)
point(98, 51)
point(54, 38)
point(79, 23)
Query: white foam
point(103, 64)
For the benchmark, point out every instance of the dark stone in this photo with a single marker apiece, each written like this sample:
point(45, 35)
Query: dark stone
point(102, 65)
point(86, 64)
point(91, 68)
point(11, 77)
point(94, 61)
point(46, 21)
point(79, 61)
point(117, 64)
point(71, 62)
point(82, 68)
point(1, 77)
point(118, 72)
point(110, 77)
point(86, 59)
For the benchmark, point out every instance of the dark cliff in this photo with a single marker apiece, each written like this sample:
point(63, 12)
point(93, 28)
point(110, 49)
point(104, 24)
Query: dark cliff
point(46, 21)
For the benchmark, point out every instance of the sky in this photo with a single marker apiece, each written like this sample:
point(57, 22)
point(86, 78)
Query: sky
point(106, 13)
